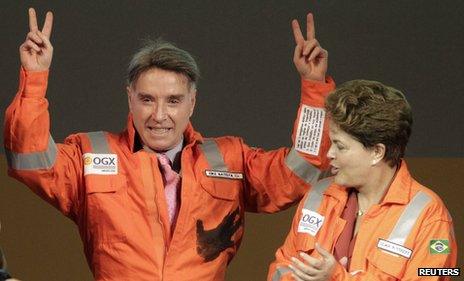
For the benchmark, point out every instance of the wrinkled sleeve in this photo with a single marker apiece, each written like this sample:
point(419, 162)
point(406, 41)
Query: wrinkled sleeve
point(49, 169)
point(275, 179)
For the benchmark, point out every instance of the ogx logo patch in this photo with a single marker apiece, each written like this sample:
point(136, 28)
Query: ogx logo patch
point(310, 222)
point(100, 164)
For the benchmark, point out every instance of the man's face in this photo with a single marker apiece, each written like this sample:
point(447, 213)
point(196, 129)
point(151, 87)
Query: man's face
point(161, 103)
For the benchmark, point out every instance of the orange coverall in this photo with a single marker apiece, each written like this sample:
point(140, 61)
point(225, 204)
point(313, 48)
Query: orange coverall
point(393, 240)
point(115, 194)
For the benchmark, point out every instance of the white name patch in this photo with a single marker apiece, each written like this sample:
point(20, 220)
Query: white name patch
point(394, 248)
point(310, 222)
point(100, 164)
point(224, 175)
point(309, 132)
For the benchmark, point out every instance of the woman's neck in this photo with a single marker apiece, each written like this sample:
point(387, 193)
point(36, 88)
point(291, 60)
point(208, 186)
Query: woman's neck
point(374, 190)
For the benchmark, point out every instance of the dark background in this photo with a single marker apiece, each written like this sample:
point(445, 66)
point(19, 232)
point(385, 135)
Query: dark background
point(244, 49)
point(248, 88)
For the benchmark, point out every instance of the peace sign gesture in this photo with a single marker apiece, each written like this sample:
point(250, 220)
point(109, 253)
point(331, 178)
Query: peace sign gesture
point(310, 58)
point(36, 52)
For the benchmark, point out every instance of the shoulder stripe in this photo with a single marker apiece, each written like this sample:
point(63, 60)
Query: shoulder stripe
point(213, 155)
point(279, 273)
point(408, 218)
point(99, 142)
point(315, 196)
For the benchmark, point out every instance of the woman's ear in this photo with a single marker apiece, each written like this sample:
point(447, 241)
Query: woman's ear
point(378, 153)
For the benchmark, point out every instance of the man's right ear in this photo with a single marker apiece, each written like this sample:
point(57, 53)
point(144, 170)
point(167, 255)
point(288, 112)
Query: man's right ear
point(129, 96)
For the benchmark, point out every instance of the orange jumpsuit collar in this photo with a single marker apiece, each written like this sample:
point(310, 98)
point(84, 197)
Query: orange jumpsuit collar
point(399, 191)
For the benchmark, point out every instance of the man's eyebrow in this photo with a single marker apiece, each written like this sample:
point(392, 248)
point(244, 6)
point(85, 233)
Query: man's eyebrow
point(144, 95)
point(177, 96)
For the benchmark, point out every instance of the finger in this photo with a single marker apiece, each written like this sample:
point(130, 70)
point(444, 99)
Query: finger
point(297, 54)
point(306, 268)
point(29, 45)
point(311, 260)
point(297, 32)
point(47, 28)
point(300, 274)
point(45, 40)
point(309, 46)
point(343, 261)
point(318, 52)
point(33, 36)
point(297, 278)
point(323, 252)
point(32, 20)
point(310, 31)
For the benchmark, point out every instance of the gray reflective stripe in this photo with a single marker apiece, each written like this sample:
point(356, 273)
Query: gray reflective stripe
point(33, 160)
point(98, 142)
point(213, 155)
point(314, 198)
point(408, 218)
point(325, 174)
point(280, 271)
point(301, 167)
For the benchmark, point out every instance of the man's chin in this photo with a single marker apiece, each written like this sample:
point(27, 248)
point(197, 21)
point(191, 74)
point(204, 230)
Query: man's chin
point(160, 145)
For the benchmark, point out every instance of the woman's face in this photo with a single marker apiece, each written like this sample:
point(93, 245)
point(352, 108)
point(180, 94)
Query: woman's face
point(351, 162)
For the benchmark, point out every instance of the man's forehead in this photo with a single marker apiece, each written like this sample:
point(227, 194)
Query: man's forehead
point(156, 74)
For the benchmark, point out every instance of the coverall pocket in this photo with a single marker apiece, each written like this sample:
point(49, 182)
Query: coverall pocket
point(388, 263)
point(305, 243)
point(107, 219)
point(226, 189)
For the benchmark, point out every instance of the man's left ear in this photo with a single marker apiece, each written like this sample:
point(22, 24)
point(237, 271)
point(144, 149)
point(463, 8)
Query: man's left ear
point(378, 153)
point(193, 98)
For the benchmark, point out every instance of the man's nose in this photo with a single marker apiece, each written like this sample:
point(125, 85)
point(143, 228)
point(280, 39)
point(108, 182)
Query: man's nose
point(160, 113)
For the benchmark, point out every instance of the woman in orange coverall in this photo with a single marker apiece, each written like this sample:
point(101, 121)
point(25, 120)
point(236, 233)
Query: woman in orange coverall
point(371, 220)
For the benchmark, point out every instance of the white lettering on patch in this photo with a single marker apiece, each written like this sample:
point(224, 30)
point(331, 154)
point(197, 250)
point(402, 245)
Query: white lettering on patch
point(309, 132)
point(100, 164)
point(310, 222)
point(394, 248)
point(224, 175)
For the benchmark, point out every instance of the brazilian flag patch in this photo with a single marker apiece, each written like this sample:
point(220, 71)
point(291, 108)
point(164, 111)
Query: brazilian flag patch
point(440, 246)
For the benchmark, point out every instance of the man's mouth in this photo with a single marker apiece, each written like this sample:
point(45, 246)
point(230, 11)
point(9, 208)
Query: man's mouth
point(334, 170)
point(158, 130)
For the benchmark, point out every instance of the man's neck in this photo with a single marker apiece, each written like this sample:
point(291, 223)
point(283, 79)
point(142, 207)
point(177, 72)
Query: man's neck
point(173, 154)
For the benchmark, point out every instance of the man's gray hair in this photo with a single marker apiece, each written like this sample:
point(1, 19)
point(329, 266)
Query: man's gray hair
point(163, 55)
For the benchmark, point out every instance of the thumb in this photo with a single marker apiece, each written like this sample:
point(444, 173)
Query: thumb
point(322, 251)
point(343, 261)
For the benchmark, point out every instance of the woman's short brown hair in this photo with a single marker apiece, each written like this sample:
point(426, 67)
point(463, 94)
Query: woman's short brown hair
point(372, 113)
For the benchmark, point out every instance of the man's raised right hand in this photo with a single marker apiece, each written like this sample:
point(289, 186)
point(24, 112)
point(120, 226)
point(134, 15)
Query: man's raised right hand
point(36, 52)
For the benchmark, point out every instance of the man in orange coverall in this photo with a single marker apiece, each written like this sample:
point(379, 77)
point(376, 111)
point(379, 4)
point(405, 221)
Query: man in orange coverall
point(159, 201)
